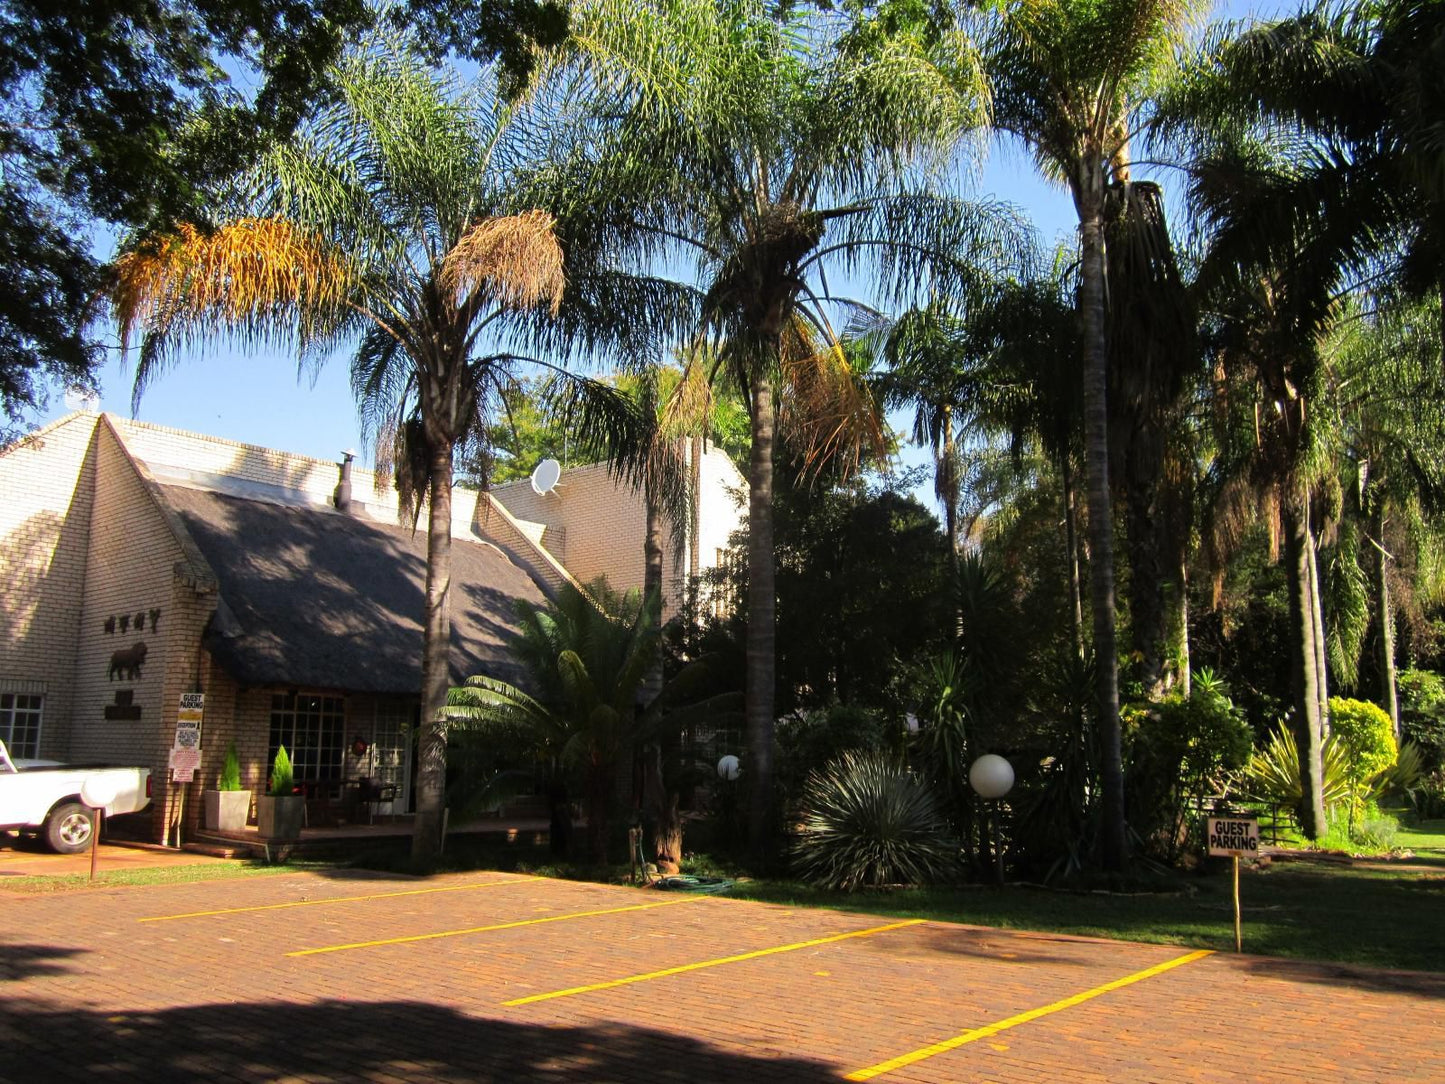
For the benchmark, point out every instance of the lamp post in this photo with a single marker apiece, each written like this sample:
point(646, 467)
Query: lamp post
point(728, 769)
point(991, 777)
point(96, 792)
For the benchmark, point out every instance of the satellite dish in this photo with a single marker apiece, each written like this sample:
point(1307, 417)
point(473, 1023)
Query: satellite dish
point(545, 476)
point(80, 399)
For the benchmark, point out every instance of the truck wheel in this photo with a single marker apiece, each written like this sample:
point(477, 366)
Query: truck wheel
point(67, 829)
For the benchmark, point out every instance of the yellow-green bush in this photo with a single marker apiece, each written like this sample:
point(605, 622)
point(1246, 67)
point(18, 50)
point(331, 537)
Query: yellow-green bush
point(1367, 735)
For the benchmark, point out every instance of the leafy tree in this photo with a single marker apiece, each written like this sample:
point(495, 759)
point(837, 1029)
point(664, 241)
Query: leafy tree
point(587, 660)
point(121, 112)
point(390, 222)
point(1070, 80)
point(771, 149)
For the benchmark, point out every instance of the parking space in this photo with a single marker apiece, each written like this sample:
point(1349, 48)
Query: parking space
point(506, 977)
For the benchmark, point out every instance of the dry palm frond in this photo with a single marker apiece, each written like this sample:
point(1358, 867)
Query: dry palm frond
point(245, 275)
point(827, 413)
point(688, 407)
point(516, 259)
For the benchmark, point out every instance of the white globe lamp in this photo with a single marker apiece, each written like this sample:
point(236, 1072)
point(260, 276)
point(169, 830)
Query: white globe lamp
point(728, 768)
point(991, 776)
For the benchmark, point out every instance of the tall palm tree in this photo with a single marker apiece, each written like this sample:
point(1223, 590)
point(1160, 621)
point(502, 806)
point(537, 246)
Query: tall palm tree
point(1071, 80)
point(390, 223)
point(772, 148)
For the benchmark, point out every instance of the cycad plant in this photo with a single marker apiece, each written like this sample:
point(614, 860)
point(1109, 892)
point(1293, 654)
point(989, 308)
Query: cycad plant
point(869, 822)
point(587, 661)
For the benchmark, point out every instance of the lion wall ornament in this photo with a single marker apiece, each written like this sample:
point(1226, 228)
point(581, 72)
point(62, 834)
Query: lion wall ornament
point(127, 662)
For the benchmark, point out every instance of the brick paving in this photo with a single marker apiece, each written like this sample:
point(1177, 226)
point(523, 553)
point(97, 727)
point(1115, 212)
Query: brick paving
point(92, 992)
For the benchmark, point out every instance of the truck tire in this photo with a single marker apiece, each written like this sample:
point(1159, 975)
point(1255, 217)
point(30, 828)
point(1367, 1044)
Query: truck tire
point(67, 829)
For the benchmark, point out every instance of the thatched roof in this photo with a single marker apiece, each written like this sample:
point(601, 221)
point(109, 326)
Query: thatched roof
point(311, 597)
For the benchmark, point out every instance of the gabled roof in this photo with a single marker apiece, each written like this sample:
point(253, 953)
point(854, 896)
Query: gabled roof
point(312, 597)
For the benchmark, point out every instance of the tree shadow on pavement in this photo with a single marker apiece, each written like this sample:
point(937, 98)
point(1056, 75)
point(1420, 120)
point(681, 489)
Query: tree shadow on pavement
point(30, 961)
point(337, 1040)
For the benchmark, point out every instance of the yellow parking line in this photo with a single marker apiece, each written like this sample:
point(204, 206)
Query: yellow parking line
point(709, 963)
point(337, 899)
point(1022, 1018)
point(490, 929)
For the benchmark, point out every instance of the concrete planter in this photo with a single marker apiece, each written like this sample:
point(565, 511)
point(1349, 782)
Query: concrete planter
point(227, 810)
point(279, 818)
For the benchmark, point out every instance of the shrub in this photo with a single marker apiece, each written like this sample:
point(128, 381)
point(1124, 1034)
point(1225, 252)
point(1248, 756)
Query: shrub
point(808, 744)
point(230, 778)
point(1180, 750)
point(1367, 733)
point(1422, 713)
point(868, 821)
point(283, 782)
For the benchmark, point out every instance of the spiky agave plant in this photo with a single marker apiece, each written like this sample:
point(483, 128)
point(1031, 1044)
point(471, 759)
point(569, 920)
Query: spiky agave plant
point(870, 822)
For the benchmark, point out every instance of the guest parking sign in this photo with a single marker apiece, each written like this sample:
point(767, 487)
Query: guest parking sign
point(1236, 836)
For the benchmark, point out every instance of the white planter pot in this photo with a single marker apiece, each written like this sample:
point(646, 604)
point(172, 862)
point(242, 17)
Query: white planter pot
point(227, 810)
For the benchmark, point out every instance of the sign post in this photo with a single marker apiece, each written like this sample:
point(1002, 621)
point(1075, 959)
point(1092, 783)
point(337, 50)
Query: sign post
point(186, 752)
point(1234, 836)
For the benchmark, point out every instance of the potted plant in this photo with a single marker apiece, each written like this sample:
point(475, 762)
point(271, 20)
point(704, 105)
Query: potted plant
point(228, 806)
point(279, 813)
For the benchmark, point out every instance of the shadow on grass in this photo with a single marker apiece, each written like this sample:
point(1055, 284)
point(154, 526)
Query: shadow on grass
point(19, 962)
point(344, 1041)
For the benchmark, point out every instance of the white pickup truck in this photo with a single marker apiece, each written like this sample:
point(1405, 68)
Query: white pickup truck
point(41, 797)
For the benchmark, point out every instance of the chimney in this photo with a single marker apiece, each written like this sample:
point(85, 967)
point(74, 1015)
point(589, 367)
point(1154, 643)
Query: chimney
point(343, 487)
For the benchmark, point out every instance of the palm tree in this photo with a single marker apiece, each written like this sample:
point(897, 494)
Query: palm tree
point(1360, 84)
point(587, 659)
point(1386, 382)
point(772, 148)
point(389, 222)
point(1071, 80)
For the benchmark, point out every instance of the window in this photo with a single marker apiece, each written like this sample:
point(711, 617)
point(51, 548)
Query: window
point(312, 727)
point(20, 723)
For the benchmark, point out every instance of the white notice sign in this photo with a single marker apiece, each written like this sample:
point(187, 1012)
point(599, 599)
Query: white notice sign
point(1238, 836)
point(188, 720)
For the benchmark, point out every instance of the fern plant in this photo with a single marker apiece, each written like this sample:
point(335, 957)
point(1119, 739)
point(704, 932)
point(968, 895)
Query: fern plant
point(870, 822)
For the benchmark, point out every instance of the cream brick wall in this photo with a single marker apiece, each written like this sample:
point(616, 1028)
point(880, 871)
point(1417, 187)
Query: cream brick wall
point(604, 523)
point(596, 526)
point(46, 485)
point(136, 564)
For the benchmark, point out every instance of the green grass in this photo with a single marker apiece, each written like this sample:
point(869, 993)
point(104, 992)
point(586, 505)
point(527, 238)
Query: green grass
point(1426, 836)
point(1378, 913)
point(1300, 909)
point(165, 875)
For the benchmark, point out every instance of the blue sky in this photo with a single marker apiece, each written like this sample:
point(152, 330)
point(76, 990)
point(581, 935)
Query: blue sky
point(257, 398)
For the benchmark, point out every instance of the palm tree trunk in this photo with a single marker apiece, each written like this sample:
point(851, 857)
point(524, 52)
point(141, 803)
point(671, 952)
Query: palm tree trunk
point(661, 806)
point(1304, 673)
point(761, 630)
point(431, 775)
point(1101, 533)
point(1317, 614)
point(1389, 685)
point(1180, 631)
point(1071, 542)
point(1148, 621)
